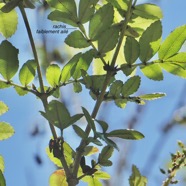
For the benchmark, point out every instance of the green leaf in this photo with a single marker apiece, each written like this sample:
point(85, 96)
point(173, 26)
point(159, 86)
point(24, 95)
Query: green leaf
point(131, 50)
point(3, 85)
point(9, 6)
point(69, 153)
point(174, 69)
point(79, 132)
point(136, 179)
point(6, 130)
point(55, 160)
point(27, 72)
point(127, 69)
point(3, 108)
point(86, 10)
point(8, 21)
point(105, 155)
point(152, 96)
point(153, 71)
point(2, 166)
point(150, 41)
point(173, 43)
point(116, 88)
point(2, 179)
point(131, 86)
point(121, 103)
point(77, 87)
point(103, 125)
point(108, 39)
point(8, 60)
point(102, 175)
point(101, 21)
point(90, 150)
point(89, 119)
point(20, 91)
point(53, 74)
point(58, 178)
point(126, 134)
point(92, 181)
point(77, 40)
point(148, 11)
point(66, 11)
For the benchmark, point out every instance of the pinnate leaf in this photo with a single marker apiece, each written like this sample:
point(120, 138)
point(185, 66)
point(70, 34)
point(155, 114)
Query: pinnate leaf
point(86, 10)
point(150, 41)
point(126, 134)
point(27, 72)
point(6, 130)
point(131, 85)
point(77, 40)
point(8, 60)
point(58, 178)
point(173, 43)
point(101, 21)
point(53, 74)
point(3, 108)
point(136, 179)
point(8, 22)
point(153, 71)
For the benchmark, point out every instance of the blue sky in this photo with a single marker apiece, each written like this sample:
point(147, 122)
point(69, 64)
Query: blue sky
point(19, 151)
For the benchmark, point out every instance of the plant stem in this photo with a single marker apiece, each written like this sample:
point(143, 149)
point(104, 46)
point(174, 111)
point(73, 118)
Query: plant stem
point(22, 10)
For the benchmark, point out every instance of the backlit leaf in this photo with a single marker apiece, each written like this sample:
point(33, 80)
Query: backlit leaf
point(152, 96)
point(20, 91)
point(131, 50)
point(8, 22)
point(131, 86)
point(153, 71)
point(86, 10)
point(136, 179)
point(173, 43)
point(58, 178)
point(2, 166)
point(8, 60)
point(53, 74)
point(121, 103)
point(6, 130)
point(27, 72)
point(108, 39)
point(148, 11)
point(3, 108)
point(126, 134)
point(3, 84)
point(89, 150)
point(101, 20)
point(150, 41)
point(2, 179)
point(77, 40)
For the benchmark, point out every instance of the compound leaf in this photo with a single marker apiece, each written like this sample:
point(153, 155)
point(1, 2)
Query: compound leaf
point(6, 130)
point(8, 22)
point(173, 43)
point(27, 72)
point(8, 60)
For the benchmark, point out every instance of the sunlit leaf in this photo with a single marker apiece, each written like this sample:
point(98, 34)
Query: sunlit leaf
point(126, 134)
point(3, 85)
point(8, 60)
point(153, 71)
point(131, 50)
point(86, 10)
point(152, 96)
point(150, 41)
point(53, 74)
point(8, 22)
point(131, 86)
point(148, 11)
point(89, 150)
point(121, 103)
point(2, 166)
point(101, 21)
point(77, 40)
point(6, 130)
point(20, 91)
point(108, 39)
point(2, 179)
point(58, 178)
point(173, 43)
point(69, 153)
point(3, 108)
point(136, 179)
point(27, 72)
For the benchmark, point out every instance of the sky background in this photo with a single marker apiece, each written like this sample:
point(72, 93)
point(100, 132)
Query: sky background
point(20, 150)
